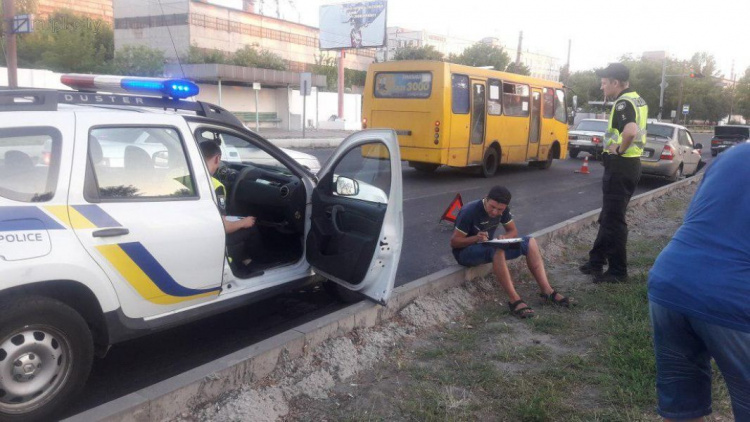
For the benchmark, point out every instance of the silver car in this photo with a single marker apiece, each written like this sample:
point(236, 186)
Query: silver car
point(588, 136)
point(670, 152)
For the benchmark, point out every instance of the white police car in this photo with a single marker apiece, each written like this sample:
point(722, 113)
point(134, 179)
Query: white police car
point(109, 227)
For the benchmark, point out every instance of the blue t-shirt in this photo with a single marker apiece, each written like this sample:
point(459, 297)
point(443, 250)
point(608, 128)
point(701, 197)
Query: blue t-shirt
point(704, 271)
point(472, 219)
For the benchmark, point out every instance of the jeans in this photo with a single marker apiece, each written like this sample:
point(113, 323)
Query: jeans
point(478, 253)
point(684, 346)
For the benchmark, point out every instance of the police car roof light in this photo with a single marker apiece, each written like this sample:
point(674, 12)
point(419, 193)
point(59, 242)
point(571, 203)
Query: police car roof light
point(174, 88)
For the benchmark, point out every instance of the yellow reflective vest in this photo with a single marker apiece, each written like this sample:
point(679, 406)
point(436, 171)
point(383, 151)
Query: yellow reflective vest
point(613, 136)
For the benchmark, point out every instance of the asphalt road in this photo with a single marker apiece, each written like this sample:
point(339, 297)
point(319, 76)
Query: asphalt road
point(541, 198)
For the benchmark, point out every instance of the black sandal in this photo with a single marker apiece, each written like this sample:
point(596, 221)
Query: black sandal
point(522, 313)
point(550, 298)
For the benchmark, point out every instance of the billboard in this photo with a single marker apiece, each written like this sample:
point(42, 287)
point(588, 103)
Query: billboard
point(353, 25)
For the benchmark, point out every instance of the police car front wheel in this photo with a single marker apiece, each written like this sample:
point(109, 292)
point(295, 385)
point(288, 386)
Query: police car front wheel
point(46, 352)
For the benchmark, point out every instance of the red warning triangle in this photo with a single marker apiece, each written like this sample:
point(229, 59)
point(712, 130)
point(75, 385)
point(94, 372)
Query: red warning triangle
point(451, 213)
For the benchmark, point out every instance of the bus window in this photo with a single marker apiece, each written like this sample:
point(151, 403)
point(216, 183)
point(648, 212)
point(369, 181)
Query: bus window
point(460, 103)
point(494, 104)
point(549, 103)
point(561, 113)
point(516, 99)
point(403, 85)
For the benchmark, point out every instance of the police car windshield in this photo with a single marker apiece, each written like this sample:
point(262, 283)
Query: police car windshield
point(238, 150)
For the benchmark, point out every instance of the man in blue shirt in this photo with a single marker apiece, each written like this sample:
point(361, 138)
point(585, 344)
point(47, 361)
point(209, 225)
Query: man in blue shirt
point(476, 223)
point(699, 292)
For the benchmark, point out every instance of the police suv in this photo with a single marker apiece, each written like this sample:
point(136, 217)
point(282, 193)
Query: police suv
point(109, 225)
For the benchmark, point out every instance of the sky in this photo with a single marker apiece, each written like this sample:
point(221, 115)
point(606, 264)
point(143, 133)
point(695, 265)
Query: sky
point(600, 31)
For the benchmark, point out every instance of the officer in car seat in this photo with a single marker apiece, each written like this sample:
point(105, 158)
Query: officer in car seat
point(623, 146)
point(242, 234)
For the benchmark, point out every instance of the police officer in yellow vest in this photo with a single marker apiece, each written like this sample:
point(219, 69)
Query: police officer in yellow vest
point(624, 142)
point(242, 236)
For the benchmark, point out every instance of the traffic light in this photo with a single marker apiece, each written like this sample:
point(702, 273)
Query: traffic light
point(695, 75)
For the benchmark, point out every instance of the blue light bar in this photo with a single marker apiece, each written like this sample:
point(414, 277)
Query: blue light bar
point(175, 88)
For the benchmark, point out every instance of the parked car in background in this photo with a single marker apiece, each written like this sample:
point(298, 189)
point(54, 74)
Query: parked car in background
point(727, 136)
point(588, 136)
point(670, 152)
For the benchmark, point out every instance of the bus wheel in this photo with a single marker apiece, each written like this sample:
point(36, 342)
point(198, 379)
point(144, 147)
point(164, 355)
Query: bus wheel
point(489, 164)
point(424, 167)
point(544, 165)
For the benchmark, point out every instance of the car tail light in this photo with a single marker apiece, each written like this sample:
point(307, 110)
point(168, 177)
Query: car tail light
point(364, 123)
point(46, 157)
point(667, 153)
point(596, 139)
point(437, 132)
point(715, 142)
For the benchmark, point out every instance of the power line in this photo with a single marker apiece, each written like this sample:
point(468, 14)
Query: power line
point(177, 55)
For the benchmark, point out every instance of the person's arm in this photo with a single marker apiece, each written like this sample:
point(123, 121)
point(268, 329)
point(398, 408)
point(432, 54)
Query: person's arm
point(511, 231)
point(233, 226)
point(459, 239)
point(628, 135)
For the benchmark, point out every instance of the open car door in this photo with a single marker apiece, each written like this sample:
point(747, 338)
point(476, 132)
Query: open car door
point(356, 229)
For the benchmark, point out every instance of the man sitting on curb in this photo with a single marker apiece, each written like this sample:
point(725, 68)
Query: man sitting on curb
point(476, 223)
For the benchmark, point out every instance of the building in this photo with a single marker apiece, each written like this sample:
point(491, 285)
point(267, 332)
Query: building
point(541, 65)
point(94, 9)
point(399, 37)
point(175, 26)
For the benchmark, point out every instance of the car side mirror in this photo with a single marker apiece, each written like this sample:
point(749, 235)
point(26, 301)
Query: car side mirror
point(161, 159)
point(699, 146)
point(346, 186)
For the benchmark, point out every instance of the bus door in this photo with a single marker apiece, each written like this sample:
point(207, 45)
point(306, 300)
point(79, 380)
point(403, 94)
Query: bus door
point(535, 128)
point(478, 122)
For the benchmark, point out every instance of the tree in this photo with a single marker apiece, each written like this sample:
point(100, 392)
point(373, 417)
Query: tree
point(327, 66)
point(138, 60)
point(482, 54)
point(197, 55)
point(518, 68)
point(742, 95)
point(250, 57)
point(586, 85)
point(426, 52)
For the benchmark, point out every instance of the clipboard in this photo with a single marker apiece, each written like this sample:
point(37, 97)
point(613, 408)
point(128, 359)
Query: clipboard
point(512, 243)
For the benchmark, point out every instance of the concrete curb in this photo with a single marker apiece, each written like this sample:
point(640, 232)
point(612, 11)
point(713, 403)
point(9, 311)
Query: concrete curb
point(307, 142)
point(171, 397)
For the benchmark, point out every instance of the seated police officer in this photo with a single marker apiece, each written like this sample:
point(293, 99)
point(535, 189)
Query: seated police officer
point(242, 234)
point(476, 224)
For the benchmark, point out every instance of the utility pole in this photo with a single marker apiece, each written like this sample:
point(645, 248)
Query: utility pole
point(518, 52)
point(567, 65)
point(663, 86)
point(9, 11)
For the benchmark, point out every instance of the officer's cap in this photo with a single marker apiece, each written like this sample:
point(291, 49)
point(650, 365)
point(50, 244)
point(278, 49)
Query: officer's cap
point(615, 71)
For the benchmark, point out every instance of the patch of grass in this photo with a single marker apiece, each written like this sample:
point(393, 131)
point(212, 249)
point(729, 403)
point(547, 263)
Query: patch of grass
point(510, 352)
point(551, 323)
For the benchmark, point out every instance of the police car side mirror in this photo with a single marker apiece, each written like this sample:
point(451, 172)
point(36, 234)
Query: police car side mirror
point(161, 159)
point(346, 186)
point(698, 146)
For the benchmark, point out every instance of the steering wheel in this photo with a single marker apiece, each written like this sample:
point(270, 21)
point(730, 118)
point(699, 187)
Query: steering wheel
point(246, 173)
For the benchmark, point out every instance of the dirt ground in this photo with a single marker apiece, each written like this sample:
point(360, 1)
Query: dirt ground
point(460, 355)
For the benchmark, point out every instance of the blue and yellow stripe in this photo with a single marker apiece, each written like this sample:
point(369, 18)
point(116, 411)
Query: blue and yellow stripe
point(83, 216)
point(147, 276)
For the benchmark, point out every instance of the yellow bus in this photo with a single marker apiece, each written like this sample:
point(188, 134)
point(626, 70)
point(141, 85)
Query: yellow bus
point(462, 116)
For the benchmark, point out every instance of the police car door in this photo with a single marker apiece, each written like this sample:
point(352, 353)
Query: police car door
point(356, 228)
point(140, 202)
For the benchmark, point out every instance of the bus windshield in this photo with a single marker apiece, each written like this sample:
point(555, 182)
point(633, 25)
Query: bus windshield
point(403, 85)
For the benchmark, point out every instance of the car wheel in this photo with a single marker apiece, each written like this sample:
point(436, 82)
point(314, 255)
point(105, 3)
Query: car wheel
point(341, 293)
point(573, 153)
point(489, 163)
point(424, 167)
point(46, 352)
point(677, 176)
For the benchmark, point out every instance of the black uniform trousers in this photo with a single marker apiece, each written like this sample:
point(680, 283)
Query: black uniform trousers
point(620, 179)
